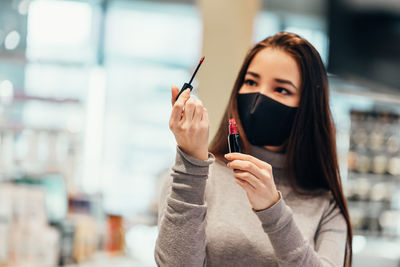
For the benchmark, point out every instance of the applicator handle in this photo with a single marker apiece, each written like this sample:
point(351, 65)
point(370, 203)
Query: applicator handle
point(184, 87)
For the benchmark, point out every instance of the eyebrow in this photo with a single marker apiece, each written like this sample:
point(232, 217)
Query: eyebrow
point(256, 75)
point(286, 82)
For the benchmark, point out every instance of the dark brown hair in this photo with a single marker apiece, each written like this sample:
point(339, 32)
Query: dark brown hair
point(311, 156)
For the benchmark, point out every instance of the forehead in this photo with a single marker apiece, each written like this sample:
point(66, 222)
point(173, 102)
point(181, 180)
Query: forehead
point(275, 63)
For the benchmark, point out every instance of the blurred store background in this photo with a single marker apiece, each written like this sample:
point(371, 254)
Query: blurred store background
point(85, 103)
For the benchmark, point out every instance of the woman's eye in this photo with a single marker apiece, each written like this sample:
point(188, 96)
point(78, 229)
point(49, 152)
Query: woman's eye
point(283, 91)
point(250, 82)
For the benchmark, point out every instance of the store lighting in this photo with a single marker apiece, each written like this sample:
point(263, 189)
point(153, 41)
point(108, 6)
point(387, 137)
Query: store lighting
point(6, 91)
point(23, 7)
point(57, 25)
point(12, 40)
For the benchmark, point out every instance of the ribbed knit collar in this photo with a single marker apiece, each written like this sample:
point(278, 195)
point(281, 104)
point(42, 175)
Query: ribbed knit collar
point(276, 159)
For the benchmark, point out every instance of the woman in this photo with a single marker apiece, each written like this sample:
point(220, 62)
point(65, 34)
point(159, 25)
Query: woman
point(289, 208)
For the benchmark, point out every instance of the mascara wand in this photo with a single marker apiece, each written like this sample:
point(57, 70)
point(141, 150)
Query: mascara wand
point(188, 85)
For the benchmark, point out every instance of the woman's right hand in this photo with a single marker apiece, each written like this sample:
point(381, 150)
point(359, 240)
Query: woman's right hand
point(189, 123)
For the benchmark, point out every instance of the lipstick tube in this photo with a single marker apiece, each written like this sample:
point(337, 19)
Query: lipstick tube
point(233, 137)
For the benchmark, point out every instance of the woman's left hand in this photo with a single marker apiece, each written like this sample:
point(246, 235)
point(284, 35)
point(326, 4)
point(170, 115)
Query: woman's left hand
point(255, 177)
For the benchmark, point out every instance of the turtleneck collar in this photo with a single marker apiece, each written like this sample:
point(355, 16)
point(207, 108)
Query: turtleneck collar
point(275, 159)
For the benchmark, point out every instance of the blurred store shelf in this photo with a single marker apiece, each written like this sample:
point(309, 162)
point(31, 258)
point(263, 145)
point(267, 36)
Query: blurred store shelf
point(21, 96)
point(105, 260)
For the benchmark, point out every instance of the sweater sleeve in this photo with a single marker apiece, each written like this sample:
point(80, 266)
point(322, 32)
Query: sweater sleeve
point(182, 211)
point(291, 249)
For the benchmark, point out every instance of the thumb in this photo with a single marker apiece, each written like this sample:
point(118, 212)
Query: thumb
point(174, 92)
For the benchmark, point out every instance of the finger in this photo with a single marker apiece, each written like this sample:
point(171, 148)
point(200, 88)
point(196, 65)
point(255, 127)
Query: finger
point(247, 166)
point(183, 97)
point(176, 114)
point(174, 93)
point(248, 177)
point(246, 157)
point(198, 113)
point(246, 186)
point(204, 118)
point(190, 107)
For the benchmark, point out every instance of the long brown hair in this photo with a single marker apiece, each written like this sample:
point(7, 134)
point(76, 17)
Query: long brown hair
point(311, 156)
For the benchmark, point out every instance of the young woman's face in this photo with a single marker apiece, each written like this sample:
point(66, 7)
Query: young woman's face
point(274, 73)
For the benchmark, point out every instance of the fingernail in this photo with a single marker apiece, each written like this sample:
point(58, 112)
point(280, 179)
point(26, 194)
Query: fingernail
point(227, 164)
point(227, 156)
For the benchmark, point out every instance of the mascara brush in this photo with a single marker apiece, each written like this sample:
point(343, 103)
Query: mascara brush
point(188, 85)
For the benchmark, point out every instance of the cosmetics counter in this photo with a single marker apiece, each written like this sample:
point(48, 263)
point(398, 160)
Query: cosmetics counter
point(45, 219)
point(369, 141)
point(373, 188)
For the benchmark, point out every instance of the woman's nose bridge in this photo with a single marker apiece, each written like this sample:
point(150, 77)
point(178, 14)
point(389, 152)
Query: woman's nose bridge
point(265, 88)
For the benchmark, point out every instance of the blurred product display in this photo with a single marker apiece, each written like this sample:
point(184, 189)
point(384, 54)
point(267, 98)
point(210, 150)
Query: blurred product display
point(31, 234)
point(115, 228)
point(373, 186)
point(47, 218)
point(26, 238)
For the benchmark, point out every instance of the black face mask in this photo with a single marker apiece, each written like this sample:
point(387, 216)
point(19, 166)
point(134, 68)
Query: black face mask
point(266, 122)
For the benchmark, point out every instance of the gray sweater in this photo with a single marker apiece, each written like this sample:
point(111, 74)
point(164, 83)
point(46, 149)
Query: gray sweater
point(205, 219)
